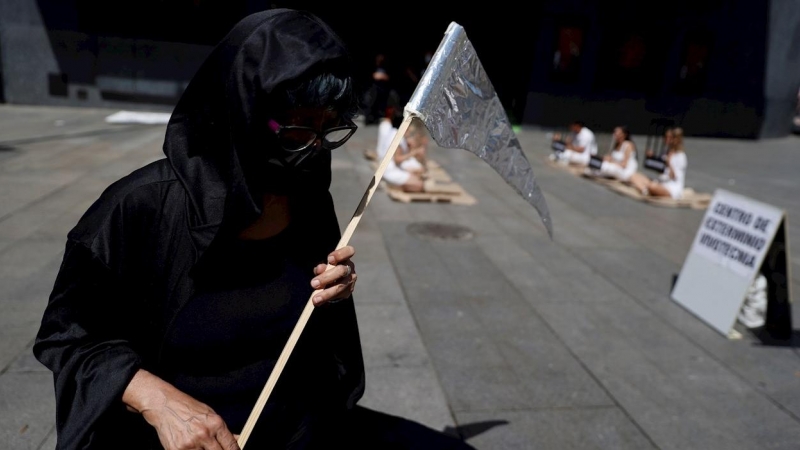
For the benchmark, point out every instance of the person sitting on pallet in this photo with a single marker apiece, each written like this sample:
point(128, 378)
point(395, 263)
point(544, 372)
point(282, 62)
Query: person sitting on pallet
point(622, 162)
point(672, 182)
point(578, 148)
point(405, 170)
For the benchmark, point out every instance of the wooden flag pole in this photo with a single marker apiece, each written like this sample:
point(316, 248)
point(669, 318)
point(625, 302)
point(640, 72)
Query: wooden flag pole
point(309, 308)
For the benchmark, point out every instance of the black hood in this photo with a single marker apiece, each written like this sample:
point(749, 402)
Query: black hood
point(216, 125)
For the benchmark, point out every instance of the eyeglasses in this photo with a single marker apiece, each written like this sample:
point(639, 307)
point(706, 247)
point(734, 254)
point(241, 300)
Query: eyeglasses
point(296, 138)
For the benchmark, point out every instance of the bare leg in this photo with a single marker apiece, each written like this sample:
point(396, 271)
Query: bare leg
point(640, 182)
point(414, 184)
point(657, 190)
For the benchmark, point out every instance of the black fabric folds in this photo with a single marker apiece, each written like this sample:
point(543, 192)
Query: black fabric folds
point(134, 259)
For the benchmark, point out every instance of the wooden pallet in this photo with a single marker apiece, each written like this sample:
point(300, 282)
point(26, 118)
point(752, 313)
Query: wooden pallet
point(574, 169)
point(689, 199)
point(435, 172)
point(460, 198)
point(600, 179)
point(443, 187)
point(439, 188)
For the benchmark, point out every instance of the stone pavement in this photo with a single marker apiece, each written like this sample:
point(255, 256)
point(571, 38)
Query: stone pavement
point(511, 339)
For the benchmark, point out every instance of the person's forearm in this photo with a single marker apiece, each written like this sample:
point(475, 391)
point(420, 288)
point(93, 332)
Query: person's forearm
point(170, 411)
point(400, 157)
point(144, 391)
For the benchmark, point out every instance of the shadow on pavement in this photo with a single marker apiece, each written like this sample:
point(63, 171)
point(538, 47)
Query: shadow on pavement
point(770, 339)
point(469, 430)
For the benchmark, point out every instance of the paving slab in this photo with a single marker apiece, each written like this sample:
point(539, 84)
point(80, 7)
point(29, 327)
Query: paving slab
point(563, 429)
point(510, 338)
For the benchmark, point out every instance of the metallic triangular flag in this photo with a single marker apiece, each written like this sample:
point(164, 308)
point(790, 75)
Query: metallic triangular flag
point(458, 104)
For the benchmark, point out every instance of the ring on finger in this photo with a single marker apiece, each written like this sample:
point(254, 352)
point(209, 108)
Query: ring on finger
point(349, 271)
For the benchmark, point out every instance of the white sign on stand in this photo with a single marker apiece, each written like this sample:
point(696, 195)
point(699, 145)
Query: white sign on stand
point(733, 241)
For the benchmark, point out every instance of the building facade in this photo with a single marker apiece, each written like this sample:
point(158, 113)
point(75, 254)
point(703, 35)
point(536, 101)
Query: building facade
point(727, 68)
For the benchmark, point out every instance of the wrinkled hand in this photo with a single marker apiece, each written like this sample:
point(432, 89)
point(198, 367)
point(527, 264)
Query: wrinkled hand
point(336, 280)
point(184, 423)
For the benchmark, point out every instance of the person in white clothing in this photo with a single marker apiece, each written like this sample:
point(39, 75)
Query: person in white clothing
point(622, 162)
point(413, 157)
point(672, 182)
point(387, 128)
point(580, 148)
point(754, 310)
point(404, 170)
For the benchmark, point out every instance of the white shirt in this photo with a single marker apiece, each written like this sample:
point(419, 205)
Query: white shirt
point(585, 139)
point(386, 133)
point(678, 163)
point(618, 155)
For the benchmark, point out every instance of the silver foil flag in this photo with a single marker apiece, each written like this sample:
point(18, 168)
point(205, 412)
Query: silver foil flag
point(458, 104)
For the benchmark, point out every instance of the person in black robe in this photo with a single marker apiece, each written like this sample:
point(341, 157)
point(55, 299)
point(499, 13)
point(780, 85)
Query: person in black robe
point(180, 285)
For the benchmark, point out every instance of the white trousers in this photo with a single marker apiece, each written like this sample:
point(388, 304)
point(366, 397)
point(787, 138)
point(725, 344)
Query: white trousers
point(615, 170)
point(574, 157)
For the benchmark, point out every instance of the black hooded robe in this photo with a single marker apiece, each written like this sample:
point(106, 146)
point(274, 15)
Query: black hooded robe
point(134, 260)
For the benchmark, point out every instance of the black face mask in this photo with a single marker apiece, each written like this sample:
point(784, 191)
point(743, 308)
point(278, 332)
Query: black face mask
point(288, 160)
point(296, 161)
point(285, 173)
